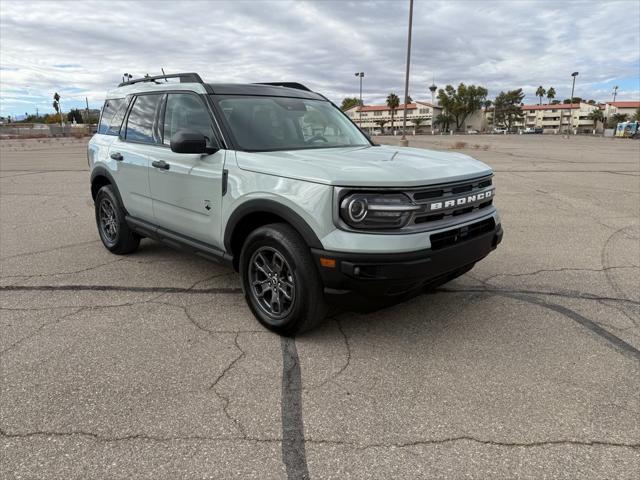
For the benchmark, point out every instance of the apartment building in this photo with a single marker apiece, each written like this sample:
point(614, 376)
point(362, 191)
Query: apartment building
point(368, 116)
point(558, 117)
point(625, 108)
point(552, 118)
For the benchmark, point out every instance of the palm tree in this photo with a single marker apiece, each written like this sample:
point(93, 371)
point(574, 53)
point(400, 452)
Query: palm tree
point(393, 102)
point(540, 92)
point(381, 124)
point(596, 116)
point(617, 118)
point(416, 123)
point(486, 104)
point(551, 94)
point(444, 119)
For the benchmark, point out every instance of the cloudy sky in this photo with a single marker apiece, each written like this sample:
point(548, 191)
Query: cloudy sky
point(81, 49)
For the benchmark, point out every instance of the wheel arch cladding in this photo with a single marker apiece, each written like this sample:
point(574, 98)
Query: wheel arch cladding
point(256, 213)
point(99, 178)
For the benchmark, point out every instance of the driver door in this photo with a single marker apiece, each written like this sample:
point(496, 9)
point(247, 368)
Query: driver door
point(186, 189)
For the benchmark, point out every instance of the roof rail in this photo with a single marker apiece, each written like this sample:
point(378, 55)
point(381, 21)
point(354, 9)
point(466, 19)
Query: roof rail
point(190, 77)
point(296, 85)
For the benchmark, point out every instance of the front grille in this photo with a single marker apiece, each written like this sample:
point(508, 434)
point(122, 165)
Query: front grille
point(442, 194)
point(461, 234)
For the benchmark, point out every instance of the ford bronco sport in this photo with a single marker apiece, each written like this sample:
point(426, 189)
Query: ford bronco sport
point(274, 180)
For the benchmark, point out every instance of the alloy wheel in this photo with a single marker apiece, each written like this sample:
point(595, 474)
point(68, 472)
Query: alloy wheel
point(271, 282)
point(108, 220)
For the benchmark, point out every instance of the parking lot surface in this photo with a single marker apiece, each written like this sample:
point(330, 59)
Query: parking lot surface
point(151, 365)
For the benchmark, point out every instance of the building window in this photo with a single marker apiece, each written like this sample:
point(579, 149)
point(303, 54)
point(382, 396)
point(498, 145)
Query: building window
point(377, 114)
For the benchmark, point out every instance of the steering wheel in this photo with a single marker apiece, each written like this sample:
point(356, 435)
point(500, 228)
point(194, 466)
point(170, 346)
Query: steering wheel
point(315, 138)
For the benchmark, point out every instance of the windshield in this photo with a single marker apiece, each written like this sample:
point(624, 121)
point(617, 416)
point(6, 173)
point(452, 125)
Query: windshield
point(280, 123)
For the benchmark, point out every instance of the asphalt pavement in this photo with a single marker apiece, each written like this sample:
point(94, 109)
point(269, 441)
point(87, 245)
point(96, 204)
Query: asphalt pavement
point(151, 366)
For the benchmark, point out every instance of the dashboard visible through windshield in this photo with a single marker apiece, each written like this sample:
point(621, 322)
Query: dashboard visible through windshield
point(282, 123)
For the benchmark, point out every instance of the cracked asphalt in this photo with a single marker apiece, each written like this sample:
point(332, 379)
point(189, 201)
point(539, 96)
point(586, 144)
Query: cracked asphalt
point(151, 366)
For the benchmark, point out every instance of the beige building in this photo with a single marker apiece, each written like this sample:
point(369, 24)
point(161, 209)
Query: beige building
point(551, 118)
point(368, 116)
point(556, 118)
point(625, 108)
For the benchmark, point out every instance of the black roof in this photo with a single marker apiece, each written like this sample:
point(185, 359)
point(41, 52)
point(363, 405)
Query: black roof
point(264, 90)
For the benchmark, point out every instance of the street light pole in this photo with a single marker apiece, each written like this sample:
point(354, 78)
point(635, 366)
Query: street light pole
point(361, 75)
point(573, 86)
point(403, 141)
point(615, 92)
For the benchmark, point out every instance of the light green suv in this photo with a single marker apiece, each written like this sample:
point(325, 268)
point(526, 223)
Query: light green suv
point(274, 180)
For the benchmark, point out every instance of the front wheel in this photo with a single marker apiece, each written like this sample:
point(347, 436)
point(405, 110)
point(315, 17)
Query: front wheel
point(280, 281)
point(114, 232)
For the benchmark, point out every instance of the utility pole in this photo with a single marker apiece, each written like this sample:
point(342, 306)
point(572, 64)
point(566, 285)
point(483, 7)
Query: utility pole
point(615, 92)
point(403, 141)
point(361, 76)
point(433, 89)
point(87, 110)
point(573, 86)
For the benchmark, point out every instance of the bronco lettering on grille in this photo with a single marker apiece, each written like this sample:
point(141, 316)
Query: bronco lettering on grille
point(460, 201)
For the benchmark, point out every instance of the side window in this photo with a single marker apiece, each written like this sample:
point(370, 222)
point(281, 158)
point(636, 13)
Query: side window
point(186, 112)
point(141, 118)
point(111, 118)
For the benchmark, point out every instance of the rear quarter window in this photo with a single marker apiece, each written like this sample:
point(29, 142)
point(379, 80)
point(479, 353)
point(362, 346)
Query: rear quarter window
point(112, 115)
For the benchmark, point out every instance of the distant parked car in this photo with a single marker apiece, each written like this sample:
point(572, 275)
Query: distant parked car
point(538, 130)
point(499, 130)
point(529, 130)
point(472, 132)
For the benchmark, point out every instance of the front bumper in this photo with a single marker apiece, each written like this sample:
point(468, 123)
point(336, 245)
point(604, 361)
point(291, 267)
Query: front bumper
point(393, 274)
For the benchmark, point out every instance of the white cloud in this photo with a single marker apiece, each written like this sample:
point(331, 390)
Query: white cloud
point(81, 49)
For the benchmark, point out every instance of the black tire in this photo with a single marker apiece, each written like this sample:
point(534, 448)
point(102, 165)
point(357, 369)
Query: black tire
point(114, 232)
point(297, 278)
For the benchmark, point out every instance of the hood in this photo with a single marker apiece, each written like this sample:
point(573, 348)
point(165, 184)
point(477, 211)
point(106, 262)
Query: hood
point(383, 166)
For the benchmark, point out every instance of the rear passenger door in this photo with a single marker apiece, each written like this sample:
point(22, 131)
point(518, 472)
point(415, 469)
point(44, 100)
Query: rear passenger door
point(187, 188)
point(129, 154)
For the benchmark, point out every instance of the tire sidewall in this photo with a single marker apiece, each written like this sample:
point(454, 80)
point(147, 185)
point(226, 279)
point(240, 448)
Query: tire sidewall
point(272, 237)
point(107, 192)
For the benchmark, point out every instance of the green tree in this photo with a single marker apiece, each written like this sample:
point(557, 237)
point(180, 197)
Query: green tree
point(551, 94)
point(381, 124)
point(74, 114)
point(461, 102)
point(596, 116)
point(393, 102)
point(636, 116)
point(444, 119)
point(417, 122)
point(617, 118)
point(508, 107)
point(349, 102)
point(540, 92)
point(555, 102)
point(486, 105)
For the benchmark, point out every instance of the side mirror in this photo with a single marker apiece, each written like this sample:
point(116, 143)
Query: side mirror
point(184, 141)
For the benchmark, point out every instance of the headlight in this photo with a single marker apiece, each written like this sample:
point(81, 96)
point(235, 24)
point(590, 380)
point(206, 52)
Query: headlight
point(375, 211)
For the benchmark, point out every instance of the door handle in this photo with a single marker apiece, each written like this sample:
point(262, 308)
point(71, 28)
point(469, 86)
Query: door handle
point(161, 164)
point(117, 156)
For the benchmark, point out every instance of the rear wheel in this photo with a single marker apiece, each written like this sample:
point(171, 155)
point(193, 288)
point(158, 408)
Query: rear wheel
point(114, 232)
point(280, 281)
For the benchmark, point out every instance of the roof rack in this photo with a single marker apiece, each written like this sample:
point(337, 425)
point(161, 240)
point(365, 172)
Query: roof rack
point(190, 77)
point(296, 85)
